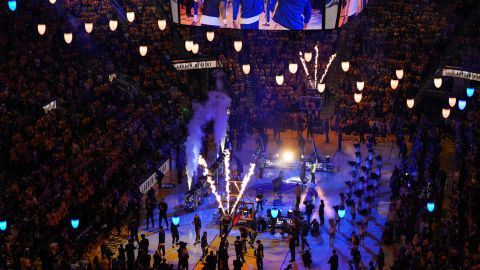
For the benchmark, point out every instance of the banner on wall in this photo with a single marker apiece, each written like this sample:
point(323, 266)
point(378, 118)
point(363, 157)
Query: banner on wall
point(189, 65)
point(152, 179)
point(458, 73)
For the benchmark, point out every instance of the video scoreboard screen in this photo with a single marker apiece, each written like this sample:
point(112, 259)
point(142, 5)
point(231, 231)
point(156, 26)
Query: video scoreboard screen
point(266, 14)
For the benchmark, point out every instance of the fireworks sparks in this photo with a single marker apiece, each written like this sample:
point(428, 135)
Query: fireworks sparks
point(245, 181)
point(332, 57)
point(203, 163)
point(303, 64)
point(226, 162)
point(316, 66)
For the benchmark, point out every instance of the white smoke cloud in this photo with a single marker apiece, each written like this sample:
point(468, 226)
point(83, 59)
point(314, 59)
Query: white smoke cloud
point(215, 109)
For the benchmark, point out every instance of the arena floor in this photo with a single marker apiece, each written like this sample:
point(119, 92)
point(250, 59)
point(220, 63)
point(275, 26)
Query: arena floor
point(327, 187)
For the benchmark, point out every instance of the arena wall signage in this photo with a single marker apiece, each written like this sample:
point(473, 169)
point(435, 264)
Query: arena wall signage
point(458, 73)
point(184, 65)
point(152, 179)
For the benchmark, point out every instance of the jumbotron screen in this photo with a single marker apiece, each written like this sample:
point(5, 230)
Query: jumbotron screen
point(266, 14)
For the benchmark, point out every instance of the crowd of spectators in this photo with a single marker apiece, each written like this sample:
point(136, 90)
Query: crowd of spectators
point(86, 158)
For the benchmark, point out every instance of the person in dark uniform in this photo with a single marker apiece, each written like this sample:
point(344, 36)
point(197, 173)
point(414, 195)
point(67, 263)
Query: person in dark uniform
point(161, 240)
point(162, 213)
point(327, 130)
point(239, 249)
point(259, 255)
point(204, 244)
point(175, 234)
point(149, 205)
point(333, 261)
point(321, 212)
point(291, 246)
point(197, 222)
point(340, 137)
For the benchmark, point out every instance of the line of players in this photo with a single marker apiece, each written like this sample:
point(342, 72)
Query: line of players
point(286, 15)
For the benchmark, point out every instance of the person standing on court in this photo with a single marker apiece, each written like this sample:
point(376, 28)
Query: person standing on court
point(291, 246)
point(197, 222)
point(321, 212)
point(259, 255)
point(298, 194)
point(175, 234)
point(251, 10)
point(333, 261)
point(327, 130)
point(149, 205)
point(161, 240)
point(162, 213)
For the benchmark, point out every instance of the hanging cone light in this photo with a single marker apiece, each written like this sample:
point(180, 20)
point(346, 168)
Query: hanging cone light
point(130, 16)
point(399, 73)
point(452, 101)
point(238, 45)
point(162, 24)
point(394, 84)
point(88, 27)
point(188, 45)
point(143, 50)
point(410, 103)
point(279, 79)
point(68, 37)
point(357, 97)
point(321, 87)
point(113, 24)
point(446, 112)
point(438, 82)
point(41, 28)
point(246, 68)
point(308, 56)
point(293, 67)
point(345, 66)
point(360, 85)
point(210, 36)
point(195, 48)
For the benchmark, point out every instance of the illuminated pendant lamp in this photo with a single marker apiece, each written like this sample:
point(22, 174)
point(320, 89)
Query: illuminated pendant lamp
point(195, 48)
point(143, 50)
point(446, 112)
point(293, 67)
point(52, 1)
point(357, 97)
point(394, 84)
point(321, 87)
point(308, 56)
point(237, 45)
point(162, 24)
point(130, 16)
point(210, 36)
point(113, 24)
point(462, 104)
point(360, 85)
point(399, 73)
point(246, 68)
point(75, 222)
point(410, 103)
point(3, 225)
point(88, 27)
point(68, 37)
point(341, 211)
point(345, 66)
point(437, 82)
point(274, 212)
point(452, 101)
point(41, 28)
point(188, 45)
point(279, 79)
point(470, 91)
point(430, 206)
point(12, 5)
point(175, 220)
